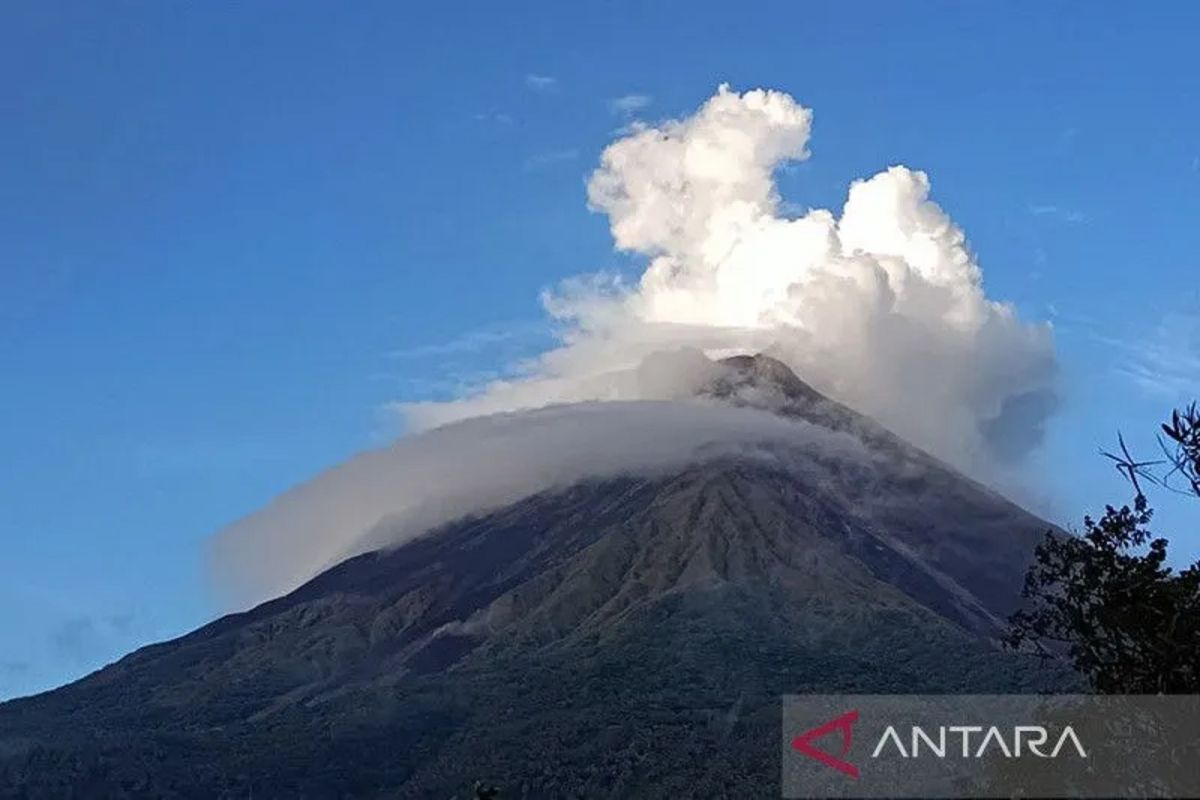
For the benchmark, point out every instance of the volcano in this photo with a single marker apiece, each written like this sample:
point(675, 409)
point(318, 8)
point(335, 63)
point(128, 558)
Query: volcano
point(625, 636)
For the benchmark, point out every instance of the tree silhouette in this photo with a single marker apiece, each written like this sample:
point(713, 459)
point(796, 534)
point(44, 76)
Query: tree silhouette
point(1107, 600)
point(486, 791)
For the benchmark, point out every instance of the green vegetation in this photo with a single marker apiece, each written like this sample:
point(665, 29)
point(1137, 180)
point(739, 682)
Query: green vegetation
point(1108, 600)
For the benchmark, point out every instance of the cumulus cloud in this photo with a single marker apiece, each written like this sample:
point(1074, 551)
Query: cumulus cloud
point(388, 496)
point(881, 306)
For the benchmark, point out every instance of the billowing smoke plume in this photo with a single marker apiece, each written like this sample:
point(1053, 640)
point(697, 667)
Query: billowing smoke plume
point(388, 496)
point(881, 307)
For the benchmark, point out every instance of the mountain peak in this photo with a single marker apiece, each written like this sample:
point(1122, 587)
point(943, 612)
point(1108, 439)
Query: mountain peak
point(760, 381)
point(618, 636)
point(762, 373)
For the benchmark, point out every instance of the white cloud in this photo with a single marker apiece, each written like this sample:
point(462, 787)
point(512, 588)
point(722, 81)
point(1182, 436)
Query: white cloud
point(469, 342)
point(629, 104)
point(1166, 364)
point(881, 306)
point(541, 83)
point(388, 496)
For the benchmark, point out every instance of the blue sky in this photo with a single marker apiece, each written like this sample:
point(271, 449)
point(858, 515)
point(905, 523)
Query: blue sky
point(230, 234)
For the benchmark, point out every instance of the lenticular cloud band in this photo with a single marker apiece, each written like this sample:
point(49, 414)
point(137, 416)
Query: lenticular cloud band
point(881, 306)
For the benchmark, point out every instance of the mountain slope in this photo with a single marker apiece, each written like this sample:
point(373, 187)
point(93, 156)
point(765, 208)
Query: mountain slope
point(624, 637)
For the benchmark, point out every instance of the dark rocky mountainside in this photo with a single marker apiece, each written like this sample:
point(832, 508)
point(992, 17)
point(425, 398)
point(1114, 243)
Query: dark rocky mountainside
point(622, 638)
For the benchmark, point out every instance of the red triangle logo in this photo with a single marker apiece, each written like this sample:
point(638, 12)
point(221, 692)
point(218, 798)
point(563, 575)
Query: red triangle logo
point(844, 723)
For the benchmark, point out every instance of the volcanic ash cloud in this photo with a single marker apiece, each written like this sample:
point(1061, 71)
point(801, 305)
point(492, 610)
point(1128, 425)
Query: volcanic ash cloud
point(882, 306)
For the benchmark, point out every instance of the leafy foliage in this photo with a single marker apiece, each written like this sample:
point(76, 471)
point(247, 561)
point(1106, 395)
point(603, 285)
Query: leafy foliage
point(1183, 434)
point(486, 791)
point(1107, 598)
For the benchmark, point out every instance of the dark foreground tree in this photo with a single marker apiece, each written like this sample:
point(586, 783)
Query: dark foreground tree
point(1107, 599)
point(486, 791)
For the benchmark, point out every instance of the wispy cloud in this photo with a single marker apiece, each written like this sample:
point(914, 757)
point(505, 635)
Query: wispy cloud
point(464, 344)
point(1167, 362)
point(629, 104)
point(455, 366)
point(550, 158)
point(1162, 360)
point(541, 83)
point(1050, 210)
